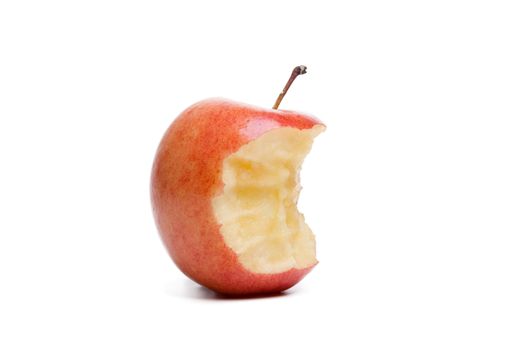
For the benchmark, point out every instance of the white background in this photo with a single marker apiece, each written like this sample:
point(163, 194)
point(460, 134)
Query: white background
point(416, 192)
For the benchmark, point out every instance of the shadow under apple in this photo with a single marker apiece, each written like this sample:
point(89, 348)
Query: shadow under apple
point(190, 290)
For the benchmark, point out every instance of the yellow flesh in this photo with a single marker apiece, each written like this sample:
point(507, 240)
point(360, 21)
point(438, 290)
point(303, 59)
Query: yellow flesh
point(257, 210)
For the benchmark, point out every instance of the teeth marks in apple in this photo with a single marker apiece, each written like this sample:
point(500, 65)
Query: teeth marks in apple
point(257, 208)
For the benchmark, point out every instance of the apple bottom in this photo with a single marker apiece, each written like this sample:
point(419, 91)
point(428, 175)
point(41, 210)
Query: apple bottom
point(244, 282)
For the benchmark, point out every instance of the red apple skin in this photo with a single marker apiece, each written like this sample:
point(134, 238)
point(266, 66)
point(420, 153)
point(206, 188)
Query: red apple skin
point(186, 176)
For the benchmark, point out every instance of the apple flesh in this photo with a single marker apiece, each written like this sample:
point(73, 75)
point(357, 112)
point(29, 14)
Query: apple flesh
point(224, 189)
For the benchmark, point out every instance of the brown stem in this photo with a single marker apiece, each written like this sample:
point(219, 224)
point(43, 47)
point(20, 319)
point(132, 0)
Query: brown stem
point(296, 71)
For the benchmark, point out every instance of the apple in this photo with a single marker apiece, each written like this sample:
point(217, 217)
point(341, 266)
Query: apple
point(224, 189)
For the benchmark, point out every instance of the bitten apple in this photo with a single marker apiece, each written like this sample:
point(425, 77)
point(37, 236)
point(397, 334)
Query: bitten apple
point(224, 187)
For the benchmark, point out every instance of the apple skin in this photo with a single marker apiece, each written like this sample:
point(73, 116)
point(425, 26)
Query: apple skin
point(186, 176)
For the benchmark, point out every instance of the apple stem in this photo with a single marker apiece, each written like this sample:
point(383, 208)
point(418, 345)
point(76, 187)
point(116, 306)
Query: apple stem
point(296, 72)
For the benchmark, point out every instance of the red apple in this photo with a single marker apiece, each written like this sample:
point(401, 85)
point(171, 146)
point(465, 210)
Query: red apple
point(224, 189)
